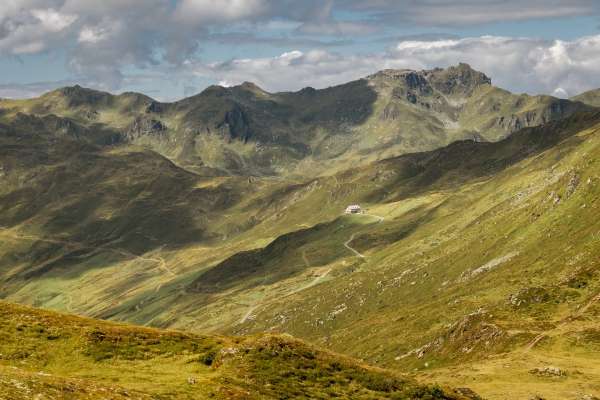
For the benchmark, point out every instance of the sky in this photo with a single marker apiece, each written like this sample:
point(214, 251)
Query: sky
point(170, 49)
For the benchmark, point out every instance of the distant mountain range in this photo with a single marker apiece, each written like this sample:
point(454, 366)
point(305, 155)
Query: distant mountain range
point(246, 130)
point(475, 262)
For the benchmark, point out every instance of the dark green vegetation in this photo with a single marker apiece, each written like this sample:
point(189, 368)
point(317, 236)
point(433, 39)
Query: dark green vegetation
point(475, 263)
point(49, 355)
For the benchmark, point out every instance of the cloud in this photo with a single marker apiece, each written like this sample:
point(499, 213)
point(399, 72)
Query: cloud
point(249, 38)
point(103, 41)
point(27, 27)
point(22, 91)
point(337, 28)
point(562, 68)
point(93, 34)
point(219, 11)
point(461, 12)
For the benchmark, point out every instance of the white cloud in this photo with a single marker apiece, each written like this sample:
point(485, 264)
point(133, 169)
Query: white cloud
point(419, 45)
point(102, 39)
point(25, 28)
point(469, 12)
point(222, 10)
point(562, 68)
point(53, 21)
point(89, 34)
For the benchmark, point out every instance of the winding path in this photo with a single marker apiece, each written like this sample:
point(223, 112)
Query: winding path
point(347, 245)
point(249, 313)
point(347, 242)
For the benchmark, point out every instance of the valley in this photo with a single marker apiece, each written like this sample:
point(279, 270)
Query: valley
point(474, 264)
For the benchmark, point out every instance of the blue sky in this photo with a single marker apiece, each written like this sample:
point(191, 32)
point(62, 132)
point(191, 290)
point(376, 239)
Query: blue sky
point(169, 49)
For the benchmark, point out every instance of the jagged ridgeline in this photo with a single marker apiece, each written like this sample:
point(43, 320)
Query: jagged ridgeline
point(246, 130)
point(473, 260)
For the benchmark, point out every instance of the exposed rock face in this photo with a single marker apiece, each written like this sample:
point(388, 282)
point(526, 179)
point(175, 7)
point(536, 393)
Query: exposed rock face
point(143, 126)
point(529, 296)
point(391, 112)
point(469, 393)
point(557, 110)
point(466, 337)
point(457, 80)
point(551, 372)
point(474, 332)
point(236, 124)
point(416, 87)
point(574, 180)
point(79, 96)
point(441, 91)
point(155, 107)
point(418, 82)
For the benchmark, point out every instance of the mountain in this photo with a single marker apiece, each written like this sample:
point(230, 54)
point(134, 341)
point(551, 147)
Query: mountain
point(474, 264)
point(591, 98)
point(246, 130)
point(61, 356)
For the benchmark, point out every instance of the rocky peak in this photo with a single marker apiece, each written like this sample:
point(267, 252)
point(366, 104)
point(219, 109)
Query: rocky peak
point(252, 87)
point(307, 91)
point(459, 79)
point(411, 80)
point(78, 96)
point(210, 91)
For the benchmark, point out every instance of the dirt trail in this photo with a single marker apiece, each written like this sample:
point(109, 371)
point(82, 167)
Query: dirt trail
point(249, 313)
point(311, 283)
point(305, 259)
point(347, 245)
point(563, 322)
point(314, 282)
point(380, 219)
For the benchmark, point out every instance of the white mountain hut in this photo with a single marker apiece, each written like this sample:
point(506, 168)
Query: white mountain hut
point(353, 209)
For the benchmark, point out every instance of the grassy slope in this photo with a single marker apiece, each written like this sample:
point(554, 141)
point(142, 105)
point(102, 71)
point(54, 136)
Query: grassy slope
point(591, 98)
point(60, 356)
point(473, 262)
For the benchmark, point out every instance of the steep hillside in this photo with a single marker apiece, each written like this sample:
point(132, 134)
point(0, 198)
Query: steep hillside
point(246, 130)
point(77, 216)
point(591, 97)
point(50, 355)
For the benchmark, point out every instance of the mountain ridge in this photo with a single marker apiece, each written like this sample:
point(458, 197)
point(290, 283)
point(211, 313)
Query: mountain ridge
point(246, 130)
